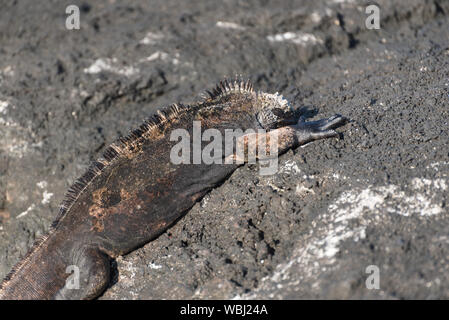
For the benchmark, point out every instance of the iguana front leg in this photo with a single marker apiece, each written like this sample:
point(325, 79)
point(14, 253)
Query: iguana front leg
point(285, 138)
point(314, 130)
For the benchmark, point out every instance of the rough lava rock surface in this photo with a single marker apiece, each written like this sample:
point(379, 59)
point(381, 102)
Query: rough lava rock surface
point(376, 196)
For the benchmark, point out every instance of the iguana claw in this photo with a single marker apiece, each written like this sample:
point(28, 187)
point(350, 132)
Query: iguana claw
point(320, 129)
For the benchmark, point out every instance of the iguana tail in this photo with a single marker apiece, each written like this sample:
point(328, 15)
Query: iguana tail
point(54, 271)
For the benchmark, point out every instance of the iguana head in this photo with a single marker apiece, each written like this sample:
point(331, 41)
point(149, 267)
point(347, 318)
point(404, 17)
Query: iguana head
point(273, 110)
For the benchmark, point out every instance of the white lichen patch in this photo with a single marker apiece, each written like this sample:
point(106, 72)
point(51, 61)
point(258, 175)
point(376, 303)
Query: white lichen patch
point(290, 167)
point(336, 176)
point(46, 196)
point(127, 275)
point(152, 38)
point(334, 225)
point(315, 17)
point(15, 147)
point(421, 183)
point(129, 268)
point(31, 208)
point(155, 56)
point(42, 184)
point(300, 38)
point(18, 148)
point(438, 165)
point(229, 25)
point(301, 190)
point(274, 187)
point(10, 133)
point(154, 266)
point(8, 71)
point(111, 65)
point(3, 106)
point(347, 219)
point(160, 55)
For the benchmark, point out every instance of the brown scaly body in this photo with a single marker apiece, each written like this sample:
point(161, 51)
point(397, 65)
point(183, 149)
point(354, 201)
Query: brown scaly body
point(135, 192)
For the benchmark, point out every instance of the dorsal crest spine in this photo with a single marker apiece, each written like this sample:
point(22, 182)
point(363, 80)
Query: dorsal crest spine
point(226, 87)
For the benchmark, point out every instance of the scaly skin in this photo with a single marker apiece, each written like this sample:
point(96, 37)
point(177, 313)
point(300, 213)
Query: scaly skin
point(135, 192)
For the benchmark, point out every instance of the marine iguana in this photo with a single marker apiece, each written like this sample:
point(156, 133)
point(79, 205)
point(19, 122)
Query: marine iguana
point(134, 192)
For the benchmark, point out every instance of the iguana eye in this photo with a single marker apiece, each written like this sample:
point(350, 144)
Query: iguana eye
point(278, 112)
